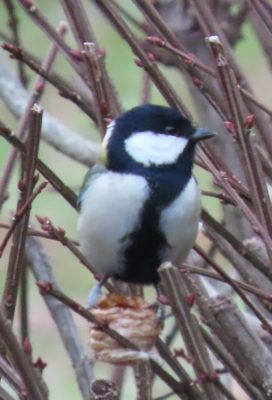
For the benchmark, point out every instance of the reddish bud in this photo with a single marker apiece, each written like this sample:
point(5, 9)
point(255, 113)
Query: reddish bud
point(190, 299)
point(39, 86)
point(139, 63)
point(63, 28)
point(151, 57)
point(215, 182)
point(249, 121)
point(188, 60)
point(101, 53)
point(108, 120)
point(42, 185)
point(27, 3)
point(8, 300)
point(213, 376)
point(76, 55)
point(223, 198)
point(181, 353)
point(6, 197)
point(61, 232)
point(196, 81)
point(27, 346)
point(41, 220)
point(155, 41)
point(23, 395)
point(202, 378)
point(44, 287)
point(8, 46)
point(229, 126)
point(21, 185)
point(45, 227)
point(256, 229)
point(104, 108)
point(40, 364)
point(163, 300)
point(35, 179)
point(223, 174)
point(97, 277)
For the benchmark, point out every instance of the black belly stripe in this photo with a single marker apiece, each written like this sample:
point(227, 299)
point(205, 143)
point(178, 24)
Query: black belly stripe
point(142, 256)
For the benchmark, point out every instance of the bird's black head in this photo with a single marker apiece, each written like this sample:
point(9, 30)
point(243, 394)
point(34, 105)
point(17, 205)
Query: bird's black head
point(153, 118)
point(150, 135)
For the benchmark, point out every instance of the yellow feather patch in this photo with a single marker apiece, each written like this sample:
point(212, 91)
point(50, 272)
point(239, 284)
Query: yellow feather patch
point(103, 157)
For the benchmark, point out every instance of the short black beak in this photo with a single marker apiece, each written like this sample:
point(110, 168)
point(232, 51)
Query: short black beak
point(202, 134)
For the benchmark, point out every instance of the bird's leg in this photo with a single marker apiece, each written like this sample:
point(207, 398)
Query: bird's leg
point(162, 302)
point(96, 293)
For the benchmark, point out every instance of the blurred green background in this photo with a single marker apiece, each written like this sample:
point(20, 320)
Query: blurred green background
point(72, 277)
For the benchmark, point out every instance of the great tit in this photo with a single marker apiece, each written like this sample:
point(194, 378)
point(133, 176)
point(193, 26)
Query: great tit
point(143, 207)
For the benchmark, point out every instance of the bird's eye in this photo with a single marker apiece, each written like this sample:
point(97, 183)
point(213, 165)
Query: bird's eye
point(171, 130)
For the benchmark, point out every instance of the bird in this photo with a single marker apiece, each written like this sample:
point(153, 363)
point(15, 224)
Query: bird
point(140, 205)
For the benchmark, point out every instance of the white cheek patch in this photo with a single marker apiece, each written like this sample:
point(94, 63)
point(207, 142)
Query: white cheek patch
point(149, 148)
point(108, 134)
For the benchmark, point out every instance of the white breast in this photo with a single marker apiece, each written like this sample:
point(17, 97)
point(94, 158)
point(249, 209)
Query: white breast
point(110, 210)
point(179, 222)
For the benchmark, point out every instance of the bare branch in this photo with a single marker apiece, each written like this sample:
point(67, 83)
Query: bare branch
point(53, 131)
point(34, 386)
point(251, 355)
point(42, 271)
point(27, 195)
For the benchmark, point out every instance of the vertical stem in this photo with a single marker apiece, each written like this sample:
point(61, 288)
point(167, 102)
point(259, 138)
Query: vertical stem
point(143, 379)
point(34, 386)
point(16, 258)
point(24, 322)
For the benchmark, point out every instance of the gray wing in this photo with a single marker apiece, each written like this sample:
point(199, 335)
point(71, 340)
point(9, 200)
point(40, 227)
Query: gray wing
point(91, 175)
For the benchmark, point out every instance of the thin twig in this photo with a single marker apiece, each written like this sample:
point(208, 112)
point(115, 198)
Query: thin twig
point(9, 373)
point(27, 195)
point(55, 133)
point(146, 62)
point(55, 181)
point(143, 379)
point(251, 355)
point(18, 54)
point(236, 244)
point(177, 293)
point(60, 235)
point(42, 234)
point(228, 361)
point(213, 275)
point(191, 392)
point(13, 24)
point(42, 270)
point(255, 179)
point(265, 322)
point(108, 104)
point(35, 388)
point(210, 26)
point(36, 94)
point(20, 213)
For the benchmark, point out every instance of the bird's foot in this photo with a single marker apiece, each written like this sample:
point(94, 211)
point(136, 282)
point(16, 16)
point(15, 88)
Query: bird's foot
point(96, 293)
point(161, 313)
point(94, 296)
